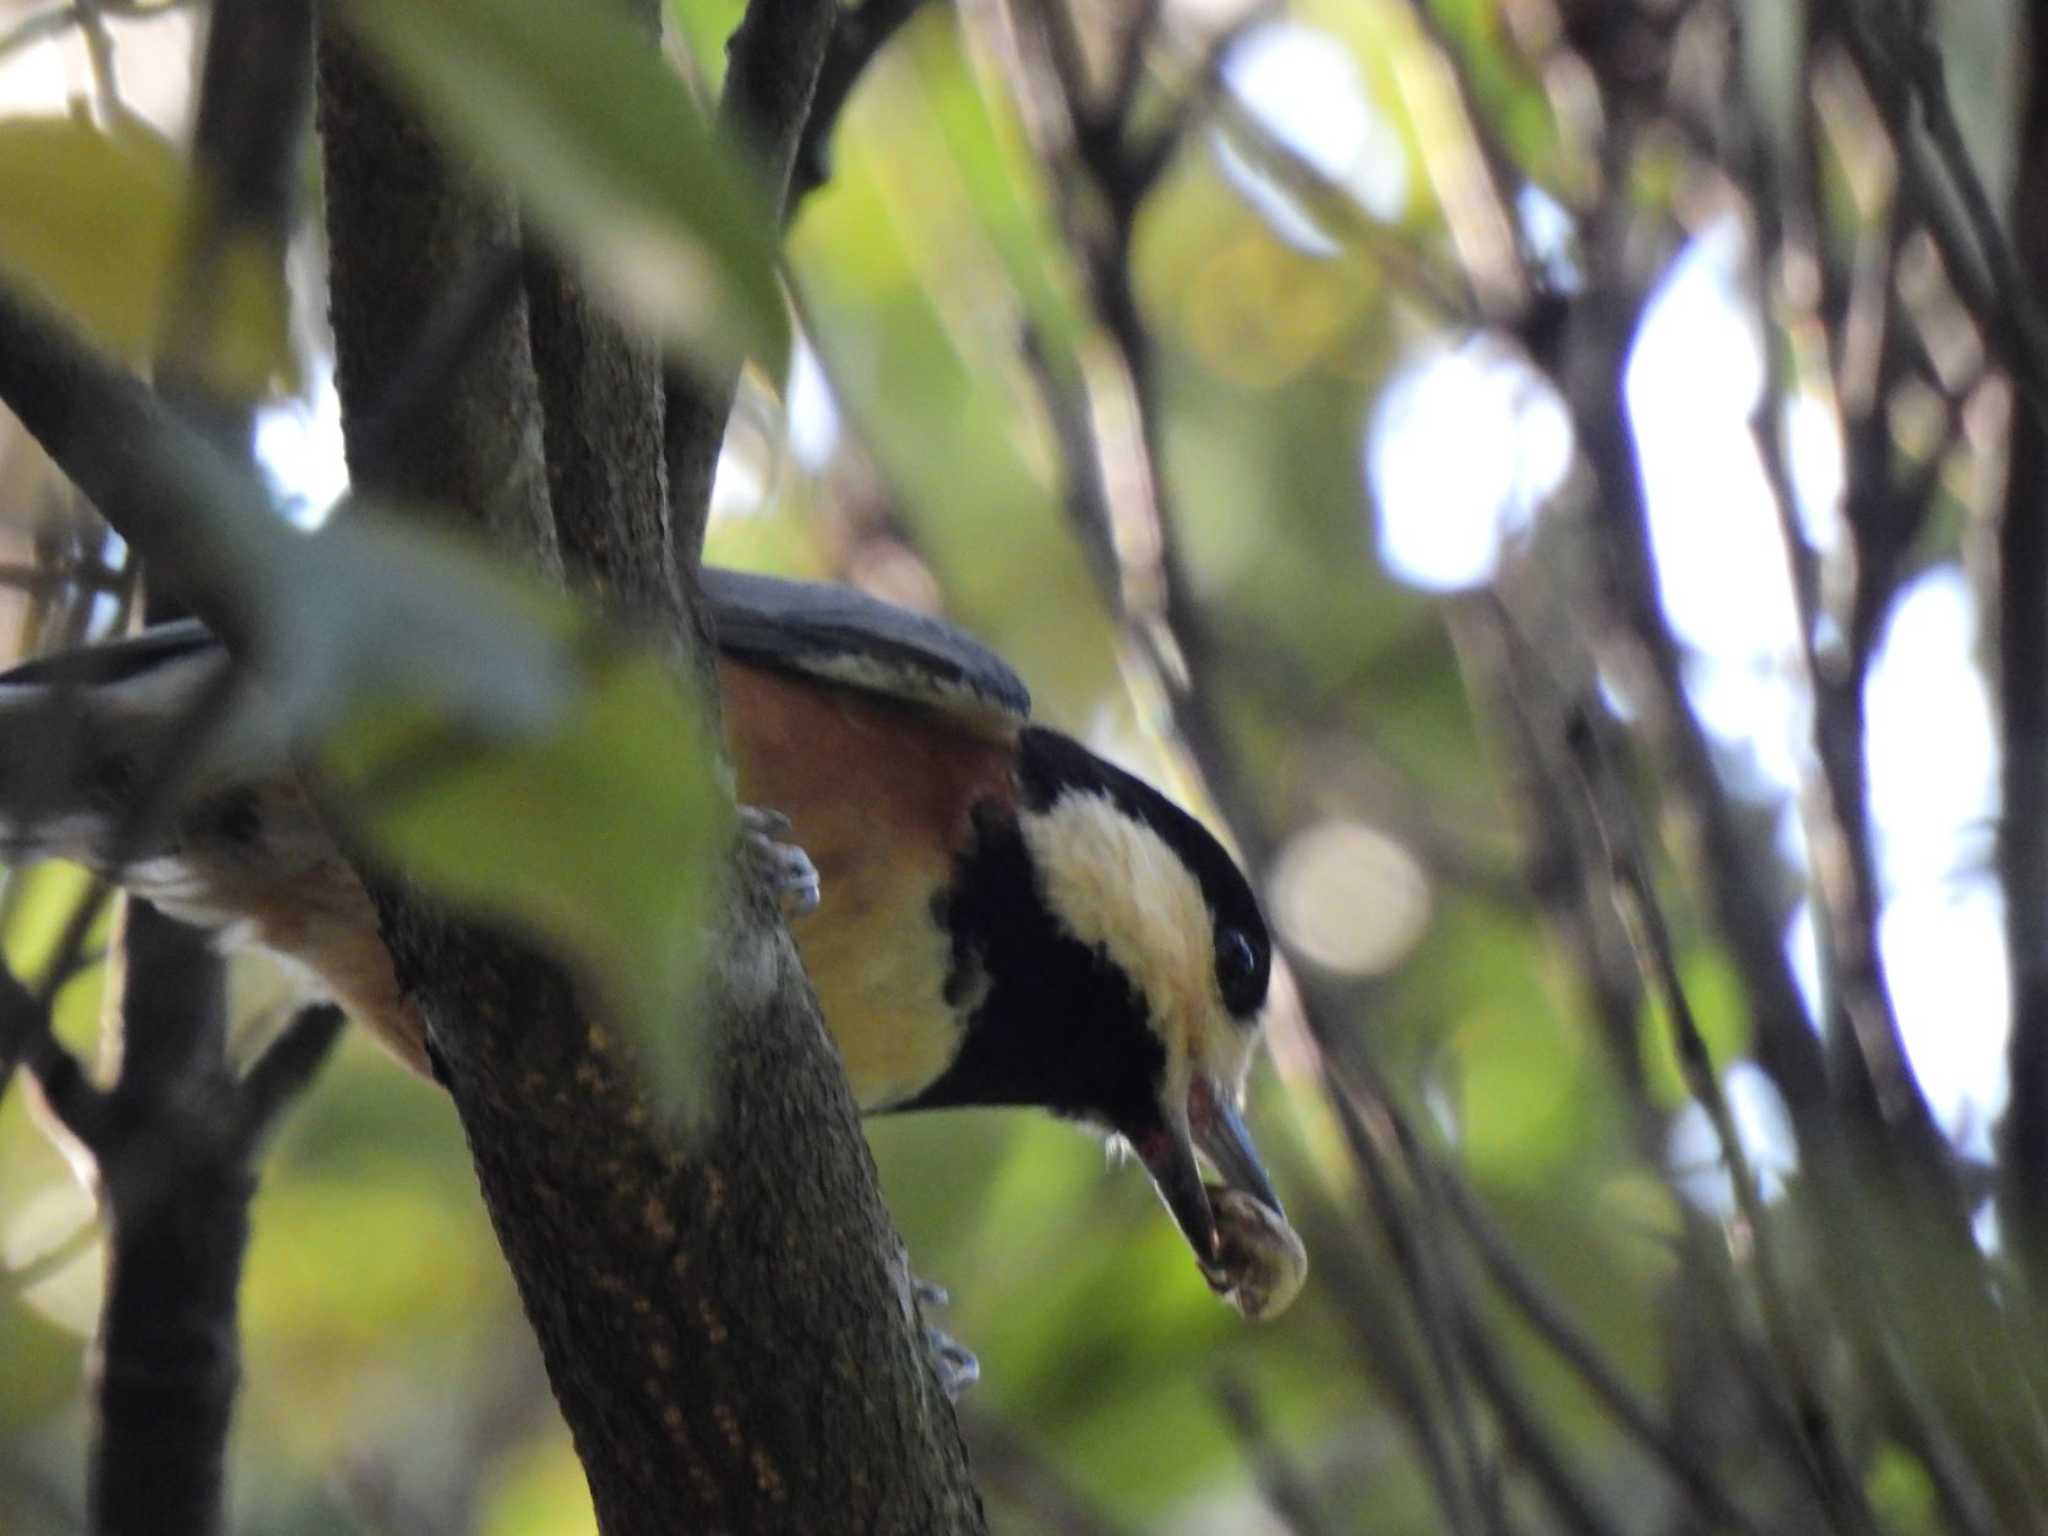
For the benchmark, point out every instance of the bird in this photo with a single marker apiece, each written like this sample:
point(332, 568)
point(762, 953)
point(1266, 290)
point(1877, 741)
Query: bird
point(990, 913)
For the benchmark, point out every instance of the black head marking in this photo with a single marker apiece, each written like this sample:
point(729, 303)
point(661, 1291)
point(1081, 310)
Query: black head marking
point(1050, 765)
point(1054, 1020)
point(1054, 1024)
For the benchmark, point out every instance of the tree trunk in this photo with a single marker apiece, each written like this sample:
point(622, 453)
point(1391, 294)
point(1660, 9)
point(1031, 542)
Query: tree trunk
point(725, 1316)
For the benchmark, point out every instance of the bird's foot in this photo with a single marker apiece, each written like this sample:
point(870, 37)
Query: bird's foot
point(782, 866)
point(955, 1365)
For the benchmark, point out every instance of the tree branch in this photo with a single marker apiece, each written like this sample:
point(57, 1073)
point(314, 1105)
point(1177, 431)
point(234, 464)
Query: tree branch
point(284, 1071)
point(773, 64)
point(703, 1302)
point(858, 35)
point(1286, 1486)
point(2022, 682)
point(1835, 1480)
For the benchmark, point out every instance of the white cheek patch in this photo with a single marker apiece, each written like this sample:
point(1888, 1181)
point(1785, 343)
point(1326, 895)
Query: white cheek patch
point(1115, 885)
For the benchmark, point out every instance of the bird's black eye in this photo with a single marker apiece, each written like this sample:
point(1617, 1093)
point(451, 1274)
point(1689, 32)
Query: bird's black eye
point(1237, 970)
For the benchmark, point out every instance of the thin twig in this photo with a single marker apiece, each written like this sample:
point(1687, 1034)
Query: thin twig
point(1336, 211)
point(1139, 31)
point(62, 18)
point(1011, 1465)
point(1534, 1444)
point(1834, 1478)
point(775, 60)
point(1286, 1485)
point(1737, 882)
point(73, 1246)
point(284, 1070)
point(1547, 1317)
point(1488, 237)
point(1147, 155)
point(1477, 1504)
point(27, 1041)
point(1979, 262)
point(2019, 327)
point(99, 52)
point(1376, 1316)
point(857, 37)
point(2022, 680)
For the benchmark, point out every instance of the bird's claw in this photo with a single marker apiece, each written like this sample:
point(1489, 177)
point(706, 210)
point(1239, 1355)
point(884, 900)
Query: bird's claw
point(782, 866)
point(956, 1367)
point(952, 1362)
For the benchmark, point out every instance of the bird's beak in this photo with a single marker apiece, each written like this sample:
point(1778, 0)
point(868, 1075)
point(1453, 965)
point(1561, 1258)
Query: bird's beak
point(1208, 1124)
point(1247, 1252)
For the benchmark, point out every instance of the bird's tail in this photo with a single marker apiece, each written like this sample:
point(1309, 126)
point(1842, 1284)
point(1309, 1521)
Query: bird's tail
point(102, 759)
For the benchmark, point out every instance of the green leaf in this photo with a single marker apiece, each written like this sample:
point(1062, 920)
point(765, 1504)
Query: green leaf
point(600, 836)
point(90, 220)
point(577, 112)
point(96, 222)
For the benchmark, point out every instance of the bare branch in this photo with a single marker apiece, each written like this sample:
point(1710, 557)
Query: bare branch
point(2023, 718)
point(774, 63)
point(1900, 66)
point(858, 35)
point(26, 1041)
point(1437, 1305)
point(1019, 1472)
point(88, 14)
point(68, 1250)
point(1285, 1484)
point(1835, 1479)
point(284, 1071)
point(1548, 1318)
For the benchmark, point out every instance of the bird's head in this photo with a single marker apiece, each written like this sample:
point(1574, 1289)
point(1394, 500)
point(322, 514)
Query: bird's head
point(1154, 916)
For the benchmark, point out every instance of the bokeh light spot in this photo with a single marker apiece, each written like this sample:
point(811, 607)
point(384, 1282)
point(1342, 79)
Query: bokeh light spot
point(1349, 898)
point(1305, 90)
point(1465, 444)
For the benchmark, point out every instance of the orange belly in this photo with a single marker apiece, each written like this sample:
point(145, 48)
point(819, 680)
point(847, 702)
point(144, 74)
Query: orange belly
point(878, 793)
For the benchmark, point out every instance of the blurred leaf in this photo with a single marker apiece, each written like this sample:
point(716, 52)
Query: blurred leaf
point(248, 352)
point(599, 835)
point(1901, 1493)
point(96, 222)
point(578, 112)
point(376, 604)
point(91, 221)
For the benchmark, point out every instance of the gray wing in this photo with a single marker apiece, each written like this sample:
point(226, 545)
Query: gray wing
point(847, 637)
point(84, 734)
point(115, 661)
point(830, 632)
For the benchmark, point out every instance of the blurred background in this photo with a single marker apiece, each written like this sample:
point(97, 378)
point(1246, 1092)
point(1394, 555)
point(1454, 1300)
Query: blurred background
point(1534, 471)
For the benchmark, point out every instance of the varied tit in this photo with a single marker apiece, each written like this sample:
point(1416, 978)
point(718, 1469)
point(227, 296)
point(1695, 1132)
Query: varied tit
point(1005, 919)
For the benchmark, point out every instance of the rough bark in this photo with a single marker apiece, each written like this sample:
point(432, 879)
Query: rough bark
point(725, 1317)
point(176, 1189)
point(772, 74)
point(403, 236)
point(2023, 708)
